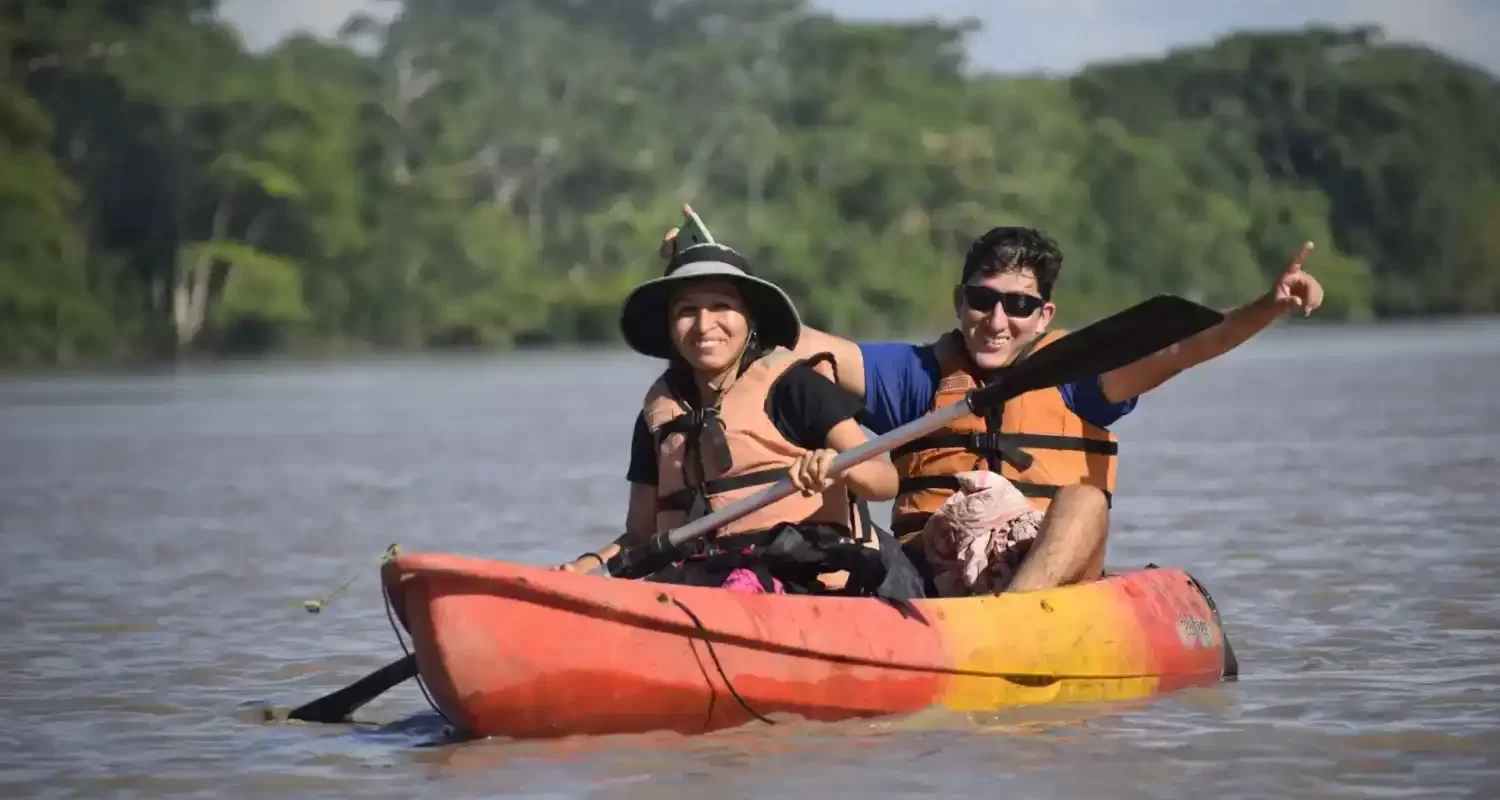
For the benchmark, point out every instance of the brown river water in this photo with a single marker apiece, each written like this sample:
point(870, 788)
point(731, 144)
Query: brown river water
point(1334, 488)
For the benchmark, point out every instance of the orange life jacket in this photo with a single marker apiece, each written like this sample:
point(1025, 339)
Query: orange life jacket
point(710, 458)
point(1034, 440)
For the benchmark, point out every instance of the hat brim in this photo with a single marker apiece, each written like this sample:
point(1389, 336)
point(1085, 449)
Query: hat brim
point(644, 324)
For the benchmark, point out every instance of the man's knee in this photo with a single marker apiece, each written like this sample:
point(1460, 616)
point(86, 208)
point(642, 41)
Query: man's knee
point(1082, 497)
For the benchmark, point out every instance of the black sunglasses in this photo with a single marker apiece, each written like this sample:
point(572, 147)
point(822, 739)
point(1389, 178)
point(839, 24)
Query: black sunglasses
point(1016, 304)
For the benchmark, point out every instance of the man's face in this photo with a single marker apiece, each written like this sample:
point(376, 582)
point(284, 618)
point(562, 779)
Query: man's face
point(997, 314)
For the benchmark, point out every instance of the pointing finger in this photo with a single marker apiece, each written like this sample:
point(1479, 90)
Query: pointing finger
point(1296, 265)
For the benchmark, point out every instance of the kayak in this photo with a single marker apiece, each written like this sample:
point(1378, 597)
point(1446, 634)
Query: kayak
point(507, 649)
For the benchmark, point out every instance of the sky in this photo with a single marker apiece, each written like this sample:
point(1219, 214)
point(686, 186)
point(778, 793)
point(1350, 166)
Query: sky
point(1057, 36)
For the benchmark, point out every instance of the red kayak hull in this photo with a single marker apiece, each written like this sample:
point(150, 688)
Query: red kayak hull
point(513, 650)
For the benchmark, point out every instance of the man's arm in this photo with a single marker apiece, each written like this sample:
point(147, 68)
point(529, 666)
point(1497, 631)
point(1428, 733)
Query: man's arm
point(848, 359)
point(1294, 289)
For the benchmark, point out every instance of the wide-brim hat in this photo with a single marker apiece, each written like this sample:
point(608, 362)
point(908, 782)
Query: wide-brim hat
point(643, 320)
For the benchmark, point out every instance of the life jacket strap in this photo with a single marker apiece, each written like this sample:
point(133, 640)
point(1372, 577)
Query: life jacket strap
point(684, 499)
point(702, 427)
point(950, 483)
point(1007, 446)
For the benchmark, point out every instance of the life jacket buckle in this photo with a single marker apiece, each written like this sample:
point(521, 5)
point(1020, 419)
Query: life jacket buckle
point(699, 507)
point(705, 424)
point(1002, 445)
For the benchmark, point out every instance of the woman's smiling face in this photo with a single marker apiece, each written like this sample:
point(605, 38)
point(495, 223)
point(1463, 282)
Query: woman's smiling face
point(709, 325)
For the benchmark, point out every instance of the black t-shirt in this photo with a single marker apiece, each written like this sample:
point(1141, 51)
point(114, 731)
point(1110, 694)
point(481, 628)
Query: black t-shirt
point(805, 406)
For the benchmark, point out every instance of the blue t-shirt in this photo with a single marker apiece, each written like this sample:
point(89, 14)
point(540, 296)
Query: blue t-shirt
point(901, 380)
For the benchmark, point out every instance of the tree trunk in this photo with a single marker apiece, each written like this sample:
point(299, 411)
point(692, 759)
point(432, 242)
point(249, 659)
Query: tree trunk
point(190, 295)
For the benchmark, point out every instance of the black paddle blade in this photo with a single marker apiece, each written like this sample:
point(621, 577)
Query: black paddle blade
point(1108, 344)
point(338, 706)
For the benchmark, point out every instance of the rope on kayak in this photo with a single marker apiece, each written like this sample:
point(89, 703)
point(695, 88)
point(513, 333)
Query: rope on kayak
point(720, 667)
point(316, 606)
point(390, 616)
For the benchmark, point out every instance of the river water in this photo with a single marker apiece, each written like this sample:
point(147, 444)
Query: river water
point(1335, 488)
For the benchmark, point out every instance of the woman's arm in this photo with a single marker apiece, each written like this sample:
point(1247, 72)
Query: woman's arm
point(816, 414)
point(871, 480)
point(640, 514)
point(874, 479)
point(640, 523)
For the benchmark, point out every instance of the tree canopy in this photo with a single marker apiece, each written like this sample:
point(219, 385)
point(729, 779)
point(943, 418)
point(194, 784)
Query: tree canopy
point(495, 173)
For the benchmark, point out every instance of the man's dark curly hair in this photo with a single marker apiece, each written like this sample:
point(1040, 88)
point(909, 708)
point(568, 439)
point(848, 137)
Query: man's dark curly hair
point(1010, 249)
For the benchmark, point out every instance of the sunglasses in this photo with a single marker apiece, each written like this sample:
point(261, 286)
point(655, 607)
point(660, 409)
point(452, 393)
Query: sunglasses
point(1016, 304)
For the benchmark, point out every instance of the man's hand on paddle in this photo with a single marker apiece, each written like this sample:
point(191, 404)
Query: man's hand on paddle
point(1297, 289)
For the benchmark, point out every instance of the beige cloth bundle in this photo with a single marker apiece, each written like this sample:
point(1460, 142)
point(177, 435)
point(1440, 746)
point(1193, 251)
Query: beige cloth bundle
point(978, 536)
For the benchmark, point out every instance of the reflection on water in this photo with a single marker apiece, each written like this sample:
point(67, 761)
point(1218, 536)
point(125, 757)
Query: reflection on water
point(1334, 489)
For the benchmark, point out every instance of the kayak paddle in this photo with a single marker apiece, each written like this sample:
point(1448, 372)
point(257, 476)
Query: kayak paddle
point(338, 706)
point(1110, 343)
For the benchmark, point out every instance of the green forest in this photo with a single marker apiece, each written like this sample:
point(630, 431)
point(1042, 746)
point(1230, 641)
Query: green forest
point(498, 173)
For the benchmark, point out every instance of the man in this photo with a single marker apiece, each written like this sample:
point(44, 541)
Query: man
point(1054, 444)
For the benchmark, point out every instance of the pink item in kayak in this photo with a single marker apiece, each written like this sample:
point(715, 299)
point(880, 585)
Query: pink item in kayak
point(743, 580)
point(978, 536)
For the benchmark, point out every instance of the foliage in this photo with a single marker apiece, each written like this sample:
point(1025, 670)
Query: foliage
point(499, 172)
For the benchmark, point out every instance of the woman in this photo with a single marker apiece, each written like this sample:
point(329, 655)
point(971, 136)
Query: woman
point(733, 412)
